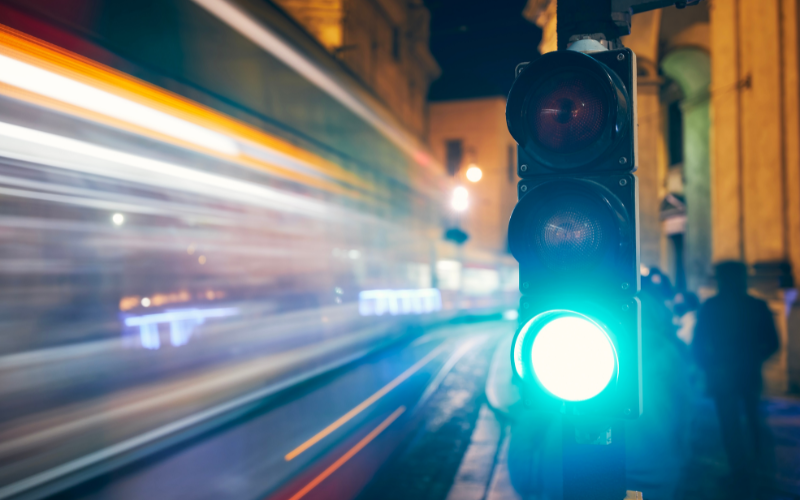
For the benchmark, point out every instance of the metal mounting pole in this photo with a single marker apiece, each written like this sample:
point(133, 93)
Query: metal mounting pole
point(603, 20)
point(593, 458)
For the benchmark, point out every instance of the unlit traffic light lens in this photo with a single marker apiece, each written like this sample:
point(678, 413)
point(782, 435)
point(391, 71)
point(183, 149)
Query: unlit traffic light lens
point(568, 112)
point(573, 357)
point(570, 232)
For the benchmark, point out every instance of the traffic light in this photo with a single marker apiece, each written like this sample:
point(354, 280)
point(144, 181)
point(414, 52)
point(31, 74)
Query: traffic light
point(574, 232)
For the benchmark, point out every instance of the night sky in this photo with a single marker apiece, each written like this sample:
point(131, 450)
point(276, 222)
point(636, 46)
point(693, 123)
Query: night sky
point(478, 43)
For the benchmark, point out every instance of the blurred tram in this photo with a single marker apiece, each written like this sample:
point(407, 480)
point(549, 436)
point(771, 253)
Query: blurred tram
point(198, 207)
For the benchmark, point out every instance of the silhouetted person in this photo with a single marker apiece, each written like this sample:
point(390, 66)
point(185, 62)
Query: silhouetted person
point(686, 305)
point(734, 335)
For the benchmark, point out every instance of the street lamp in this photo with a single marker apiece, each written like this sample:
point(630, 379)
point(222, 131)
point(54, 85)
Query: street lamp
point(474, 173)
point(460, 199)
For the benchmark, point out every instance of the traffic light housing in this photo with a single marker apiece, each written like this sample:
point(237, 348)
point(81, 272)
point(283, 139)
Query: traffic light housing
point(575, 233)
point(574, 112)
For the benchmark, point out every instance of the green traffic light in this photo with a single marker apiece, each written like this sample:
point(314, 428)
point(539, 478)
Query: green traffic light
point(572, 356)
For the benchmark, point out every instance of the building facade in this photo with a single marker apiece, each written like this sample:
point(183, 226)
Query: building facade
point(384, 43)
point(719, 146)
point(473, 132)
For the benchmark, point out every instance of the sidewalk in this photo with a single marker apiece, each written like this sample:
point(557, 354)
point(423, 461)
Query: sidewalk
point(708, 463)
point(483, 473)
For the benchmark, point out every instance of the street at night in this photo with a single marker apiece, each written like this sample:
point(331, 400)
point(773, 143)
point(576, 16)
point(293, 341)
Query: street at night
point(396, 249)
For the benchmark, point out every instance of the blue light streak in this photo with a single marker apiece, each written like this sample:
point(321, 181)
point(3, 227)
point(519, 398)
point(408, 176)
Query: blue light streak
point(182, 323)
point(399, 302)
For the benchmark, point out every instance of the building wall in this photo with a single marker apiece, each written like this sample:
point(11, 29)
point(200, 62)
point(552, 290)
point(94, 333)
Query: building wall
point(480, 125)
point(383, 42)
point(690, 69)
point(756, 156)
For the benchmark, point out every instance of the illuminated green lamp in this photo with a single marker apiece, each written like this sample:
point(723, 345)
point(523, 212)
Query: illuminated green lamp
point(570, 355)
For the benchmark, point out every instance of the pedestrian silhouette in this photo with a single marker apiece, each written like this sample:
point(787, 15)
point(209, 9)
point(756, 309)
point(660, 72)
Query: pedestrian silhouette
point(734, 335)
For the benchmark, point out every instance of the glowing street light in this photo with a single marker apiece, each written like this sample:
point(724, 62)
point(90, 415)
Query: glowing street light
point(474, 173)
point(460, 200)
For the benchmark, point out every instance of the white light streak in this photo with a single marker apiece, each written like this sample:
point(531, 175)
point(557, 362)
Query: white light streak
point(55, 150)
point(60, 88)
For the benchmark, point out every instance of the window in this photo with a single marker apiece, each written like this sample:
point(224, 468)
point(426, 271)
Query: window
point(675, 133)
point(455, 154)
point(396, 43)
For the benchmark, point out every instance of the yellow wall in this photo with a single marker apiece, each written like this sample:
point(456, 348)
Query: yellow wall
point(360, 34)
point(481, 125)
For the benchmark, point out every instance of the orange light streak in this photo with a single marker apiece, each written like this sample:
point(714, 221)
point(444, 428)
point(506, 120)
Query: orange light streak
point(350, 453)
point(51, 58)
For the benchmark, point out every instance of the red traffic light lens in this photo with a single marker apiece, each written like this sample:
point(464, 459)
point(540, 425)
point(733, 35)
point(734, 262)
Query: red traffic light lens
point(568, 112)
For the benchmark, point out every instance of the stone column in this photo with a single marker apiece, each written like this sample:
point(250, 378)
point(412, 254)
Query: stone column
point(690, 68)
point(756, 157)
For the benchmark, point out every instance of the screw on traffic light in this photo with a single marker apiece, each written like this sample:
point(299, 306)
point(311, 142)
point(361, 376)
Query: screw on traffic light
point(574, 232)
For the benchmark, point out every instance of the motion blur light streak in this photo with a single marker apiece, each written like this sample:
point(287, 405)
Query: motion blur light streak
point(40, 81)
point(108, 227)
point(379, 302)
point(573, 357)
point(350, 453)
point(365, 404)
point(32, 145)
point(257, 149)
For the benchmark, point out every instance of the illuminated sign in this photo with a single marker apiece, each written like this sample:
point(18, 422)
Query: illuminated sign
point(182, 323)
point(395, 302)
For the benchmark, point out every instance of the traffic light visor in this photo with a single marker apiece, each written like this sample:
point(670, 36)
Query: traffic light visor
point(570, 355)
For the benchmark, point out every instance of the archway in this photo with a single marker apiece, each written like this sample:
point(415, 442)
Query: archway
point(690, 68)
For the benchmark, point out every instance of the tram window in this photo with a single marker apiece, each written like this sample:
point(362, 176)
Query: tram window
point(455, 153)
point(396, 43)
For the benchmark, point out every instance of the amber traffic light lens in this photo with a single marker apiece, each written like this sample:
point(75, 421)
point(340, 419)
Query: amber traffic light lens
point(568, 112)
point(570, 233)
